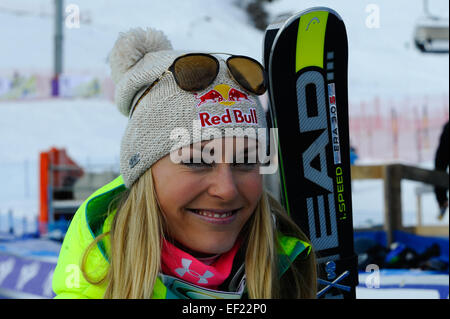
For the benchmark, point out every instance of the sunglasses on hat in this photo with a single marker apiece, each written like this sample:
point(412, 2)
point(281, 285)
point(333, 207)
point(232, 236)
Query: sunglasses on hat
point(196, 71)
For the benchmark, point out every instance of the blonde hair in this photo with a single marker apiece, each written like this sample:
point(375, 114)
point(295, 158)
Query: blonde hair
point(138, 230)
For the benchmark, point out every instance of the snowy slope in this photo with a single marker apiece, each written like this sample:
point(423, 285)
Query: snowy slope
point(383, 60)
point(87, 128)
point(191, 25)
point(90, 131)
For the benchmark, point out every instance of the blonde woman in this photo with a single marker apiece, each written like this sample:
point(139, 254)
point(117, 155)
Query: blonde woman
point(188, 217)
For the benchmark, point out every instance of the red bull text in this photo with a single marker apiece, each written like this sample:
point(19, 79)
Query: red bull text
point(230, 116)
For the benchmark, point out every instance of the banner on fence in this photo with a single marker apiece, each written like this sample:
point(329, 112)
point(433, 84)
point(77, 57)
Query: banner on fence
point(25, 278)
point(31, 86)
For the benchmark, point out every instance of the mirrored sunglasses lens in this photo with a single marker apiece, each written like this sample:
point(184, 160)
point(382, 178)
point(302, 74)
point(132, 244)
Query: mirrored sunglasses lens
point(248, 73)
point(195, 72)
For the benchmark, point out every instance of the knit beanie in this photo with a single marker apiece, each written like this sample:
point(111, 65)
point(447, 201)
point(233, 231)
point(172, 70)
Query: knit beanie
point(138, 58)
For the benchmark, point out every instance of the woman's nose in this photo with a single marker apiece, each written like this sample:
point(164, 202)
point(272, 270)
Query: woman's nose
point(222, 183)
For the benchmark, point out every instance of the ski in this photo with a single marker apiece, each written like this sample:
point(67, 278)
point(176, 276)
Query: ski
point(306, 60)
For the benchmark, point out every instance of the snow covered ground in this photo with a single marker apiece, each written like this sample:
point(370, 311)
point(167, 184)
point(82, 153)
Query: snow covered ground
point(383, 59)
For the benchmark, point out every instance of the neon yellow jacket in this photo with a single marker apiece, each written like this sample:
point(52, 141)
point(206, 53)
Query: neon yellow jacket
point(91, 220)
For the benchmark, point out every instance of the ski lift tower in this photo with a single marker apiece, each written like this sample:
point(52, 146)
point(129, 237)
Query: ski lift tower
point(58, 46)
point(431, 32)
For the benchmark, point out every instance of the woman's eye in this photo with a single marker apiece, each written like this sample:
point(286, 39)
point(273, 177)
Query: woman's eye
point(193, 165)
point(245, 165)
point(242, 164)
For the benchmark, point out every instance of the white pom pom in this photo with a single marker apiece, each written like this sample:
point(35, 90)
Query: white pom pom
point(131, 46)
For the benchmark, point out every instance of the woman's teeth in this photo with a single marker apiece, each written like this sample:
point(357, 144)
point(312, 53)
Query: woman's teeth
point(212, 214)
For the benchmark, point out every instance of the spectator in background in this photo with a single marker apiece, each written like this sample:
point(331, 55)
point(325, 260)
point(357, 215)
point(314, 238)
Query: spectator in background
point(353, 155)
point(441, 162)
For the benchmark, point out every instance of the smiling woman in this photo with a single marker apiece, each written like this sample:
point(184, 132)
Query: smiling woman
point(206, 205)
point(199, 227)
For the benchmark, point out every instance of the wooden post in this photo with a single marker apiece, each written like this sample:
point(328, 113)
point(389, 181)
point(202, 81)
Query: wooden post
point(392, 175)
point(392, 200)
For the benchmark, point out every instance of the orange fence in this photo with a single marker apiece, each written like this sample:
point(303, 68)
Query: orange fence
point(58, 173)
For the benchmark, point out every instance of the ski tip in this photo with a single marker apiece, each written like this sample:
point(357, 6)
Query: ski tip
point(332, 11)
point(283, 25)
point(284, 20)
point(309, 10)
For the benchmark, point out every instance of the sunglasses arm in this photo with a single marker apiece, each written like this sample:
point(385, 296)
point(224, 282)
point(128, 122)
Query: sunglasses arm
point(147, 90)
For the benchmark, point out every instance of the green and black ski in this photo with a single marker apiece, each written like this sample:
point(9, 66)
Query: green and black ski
point(306, 60)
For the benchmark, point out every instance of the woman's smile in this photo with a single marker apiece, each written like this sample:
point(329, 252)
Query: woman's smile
point(215, 216)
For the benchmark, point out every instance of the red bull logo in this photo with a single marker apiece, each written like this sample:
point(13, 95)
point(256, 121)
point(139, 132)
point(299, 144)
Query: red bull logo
point(225, 95)
point(222, 94)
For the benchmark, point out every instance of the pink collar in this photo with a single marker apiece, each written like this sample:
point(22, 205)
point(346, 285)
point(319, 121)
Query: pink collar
point(177, 263)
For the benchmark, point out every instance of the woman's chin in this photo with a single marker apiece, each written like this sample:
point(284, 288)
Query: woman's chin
point(210, 246)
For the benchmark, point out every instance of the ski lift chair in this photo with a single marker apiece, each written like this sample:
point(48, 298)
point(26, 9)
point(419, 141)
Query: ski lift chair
point(431, 33)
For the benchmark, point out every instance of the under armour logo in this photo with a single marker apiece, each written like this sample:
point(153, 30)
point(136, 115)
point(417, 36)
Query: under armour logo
point(186, 263)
